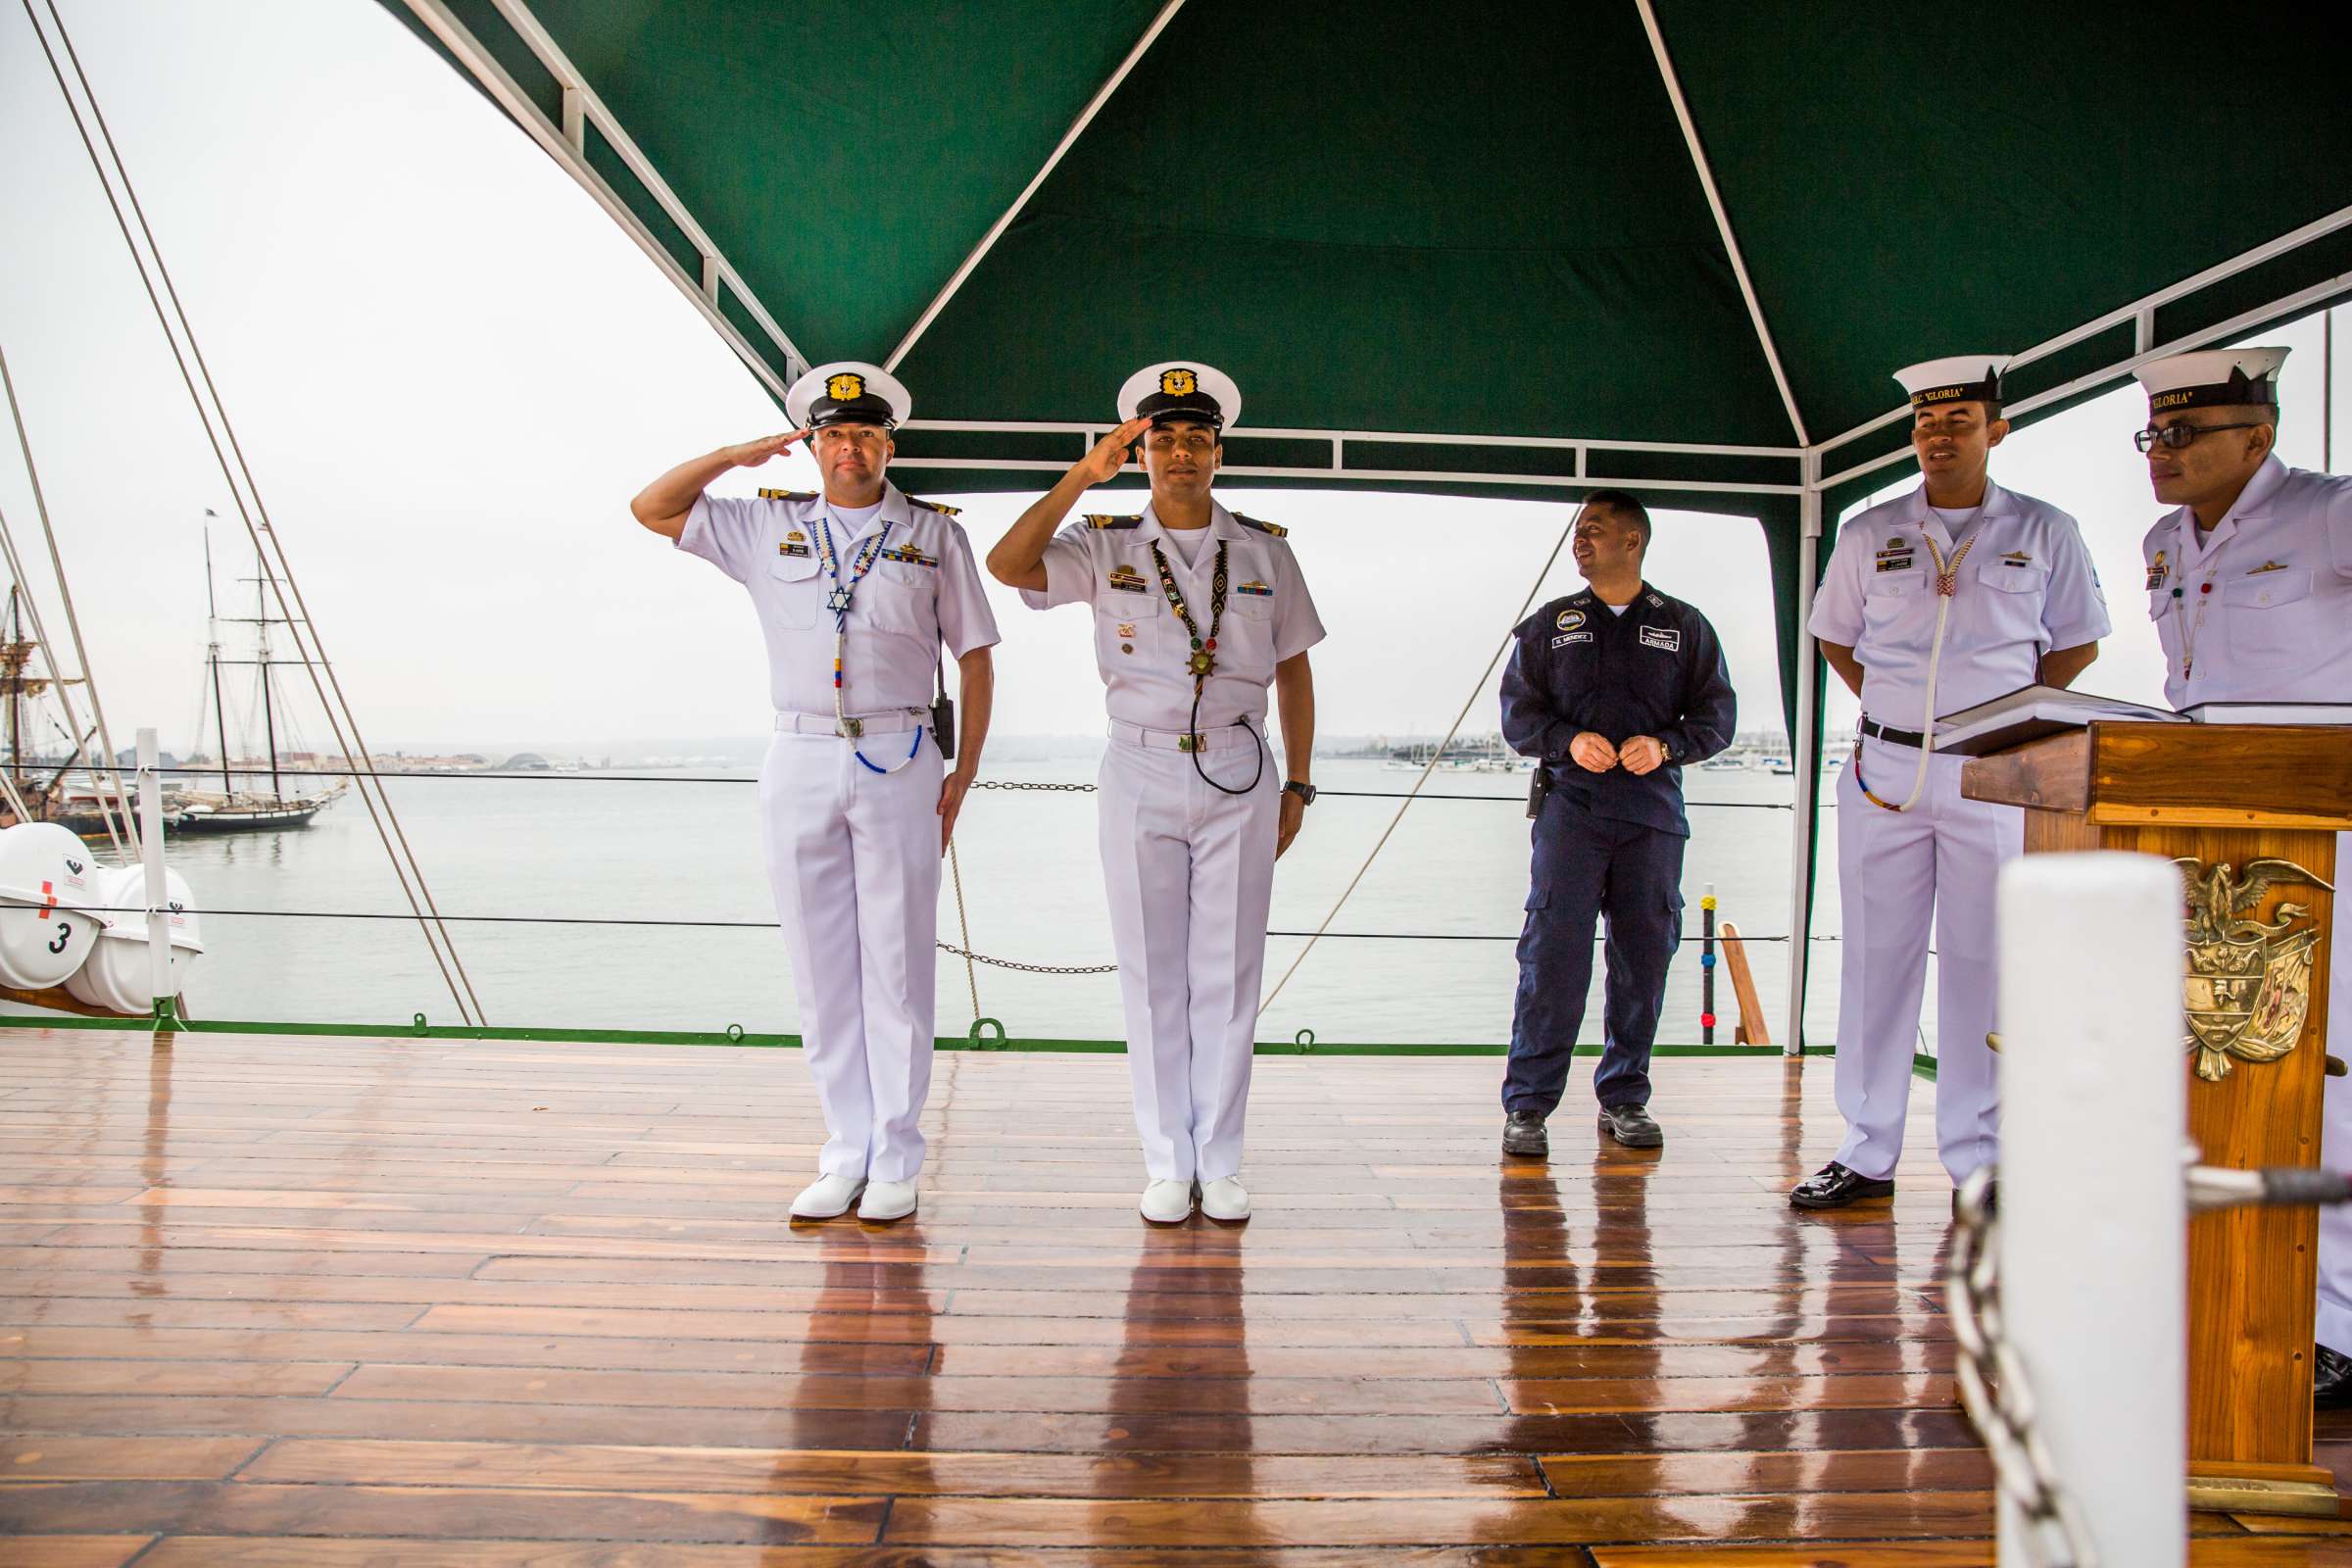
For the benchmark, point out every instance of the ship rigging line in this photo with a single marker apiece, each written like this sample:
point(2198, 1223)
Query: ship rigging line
point(81, 654)
point(1534, 588)
point(280, 571)
point(494, 774)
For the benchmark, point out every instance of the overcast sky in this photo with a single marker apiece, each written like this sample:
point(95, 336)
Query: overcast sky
point(451, 371)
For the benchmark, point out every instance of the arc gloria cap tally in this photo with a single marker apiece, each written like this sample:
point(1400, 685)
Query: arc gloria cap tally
point(2212, 379)
point(1954, 379)
point(847, 392)
point(1181, 389)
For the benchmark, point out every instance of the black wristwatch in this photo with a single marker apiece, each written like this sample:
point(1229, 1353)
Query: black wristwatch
point(1304, 792)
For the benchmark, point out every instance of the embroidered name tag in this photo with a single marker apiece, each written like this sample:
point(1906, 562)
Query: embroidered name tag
point(911, 555)
point(1255, 590)
point(1565, 638)
point(792, 550)
point(1667, 637)
point(1127, 580)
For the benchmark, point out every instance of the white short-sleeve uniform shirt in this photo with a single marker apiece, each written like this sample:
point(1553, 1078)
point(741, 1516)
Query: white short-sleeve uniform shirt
point(2027, 586)
point(1141, 644)
point(924, 590)
point(2264, 602)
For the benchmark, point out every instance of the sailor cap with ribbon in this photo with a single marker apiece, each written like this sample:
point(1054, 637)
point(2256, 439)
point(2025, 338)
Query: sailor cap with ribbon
point(1181, 390)
point(847, 392)
point(2213, 378)
point(1954, 379)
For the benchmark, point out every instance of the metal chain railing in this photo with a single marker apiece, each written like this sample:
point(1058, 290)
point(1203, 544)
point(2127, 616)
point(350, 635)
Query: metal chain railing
point(1995, 1391)
point(1024, 968)
point(1993, 1386)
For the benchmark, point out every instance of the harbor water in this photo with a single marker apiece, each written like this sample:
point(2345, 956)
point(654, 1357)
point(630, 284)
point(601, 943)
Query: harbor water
point(1423, 952)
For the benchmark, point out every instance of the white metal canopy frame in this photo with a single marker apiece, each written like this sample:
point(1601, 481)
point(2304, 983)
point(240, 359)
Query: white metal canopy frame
point(1812, 477)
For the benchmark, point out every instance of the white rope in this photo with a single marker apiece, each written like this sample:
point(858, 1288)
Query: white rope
point(16, 566)
point(405, 864)
point(1476, 687)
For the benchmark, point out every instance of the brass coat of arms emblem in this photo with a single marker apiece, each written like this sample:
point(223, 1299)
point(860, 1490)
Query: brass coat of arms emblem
point(2249, 981)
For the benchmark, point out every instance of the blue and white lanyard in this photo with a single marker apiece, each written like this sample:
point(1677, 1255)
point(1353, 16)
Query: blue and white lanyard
point(838, 601)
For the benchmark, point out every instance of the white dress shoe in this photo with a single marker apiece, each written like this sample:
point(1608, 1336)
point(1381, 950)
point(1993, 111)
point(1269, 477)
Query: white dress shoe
point(828, 1198)
point(1167, 1203)
point(1225, 1199)
point(887, 1200)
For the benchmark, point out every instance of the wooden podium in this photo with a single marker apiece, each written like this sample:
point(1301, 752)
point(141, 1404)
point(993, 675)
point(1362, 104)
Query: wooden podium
point(2257, 807)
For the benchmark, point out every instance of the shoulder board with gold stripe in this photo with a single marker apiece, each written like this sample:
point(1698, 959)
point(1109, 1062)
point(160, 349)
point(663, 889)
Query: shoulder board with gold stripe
point(788, 495)
point(933, 506)
point(1099, 519)
point(1274, 528)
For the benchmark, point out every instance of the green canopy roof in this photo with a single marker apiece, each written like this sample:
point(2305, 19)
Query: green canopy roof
point(1381, 219)
point(1518, 252)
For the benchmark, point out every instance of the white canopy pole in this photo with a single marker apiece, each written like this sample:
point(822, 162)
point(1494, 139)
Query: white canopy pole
point(1804, 751)
point(2093, 1243)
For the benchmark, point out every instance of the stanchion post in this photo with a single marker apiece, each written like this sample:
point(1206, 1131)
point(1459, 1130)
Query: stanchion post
point(159, 899)
point(2093, 1252)
point(1706, 967)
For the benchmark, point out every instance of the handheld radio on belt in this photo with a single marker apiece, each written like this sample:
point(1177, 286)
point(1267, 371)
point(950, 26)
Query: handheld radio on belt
point(942, 712)
point(1537, 787)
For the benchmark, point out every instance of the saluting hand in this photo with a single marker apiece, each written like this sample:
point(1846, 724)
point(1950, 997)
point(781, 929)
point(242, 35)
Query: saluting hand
point(1593, 752)
point(751, 453)
point(1103, 464)
point(1641, 755)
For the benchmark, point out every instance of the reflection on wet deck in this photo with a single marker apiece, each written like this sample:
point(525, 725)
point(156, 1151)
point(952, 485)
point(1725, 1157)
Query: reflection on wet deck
point(291, 1301)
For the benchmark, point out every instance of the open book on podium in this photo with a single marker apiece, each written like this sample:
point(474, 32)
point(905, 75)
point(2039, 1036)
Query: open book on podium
point(2032, 712)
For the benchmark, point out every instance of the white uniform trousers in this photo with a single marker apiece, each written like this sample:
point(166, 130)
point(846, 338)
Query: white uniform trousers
point(1895, 871)
point(1190, 873)
point(2336, 1133)
point(854, 858)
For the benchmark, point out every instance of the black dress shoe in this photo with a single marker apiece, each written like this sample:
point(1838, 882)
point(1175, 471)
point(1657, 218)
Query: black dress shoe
point(1523, 1134)
point(1993, 1200)
point(1833, 1187)
point(1632, 1126)
point(2331, 1379)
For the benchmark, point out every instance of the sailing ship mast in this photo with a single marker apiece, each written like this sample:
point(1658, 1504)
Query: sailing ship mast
point(212, 656)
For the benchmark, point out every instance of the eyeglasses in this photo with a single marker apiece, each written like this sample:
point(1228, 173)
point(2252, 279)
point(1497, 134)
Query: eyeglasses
point(2172, 437)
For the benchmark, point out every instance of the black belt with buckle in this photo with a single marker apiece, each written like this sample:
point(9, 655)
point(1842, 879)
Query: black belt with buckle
point(1894, 737)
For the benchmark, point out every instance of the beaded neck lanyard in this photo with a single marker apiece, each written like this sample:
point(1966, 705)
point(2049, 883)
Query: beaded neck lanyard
point(2191, 628)
point(838, 602)
point(1947, 588)
point(1202, 662)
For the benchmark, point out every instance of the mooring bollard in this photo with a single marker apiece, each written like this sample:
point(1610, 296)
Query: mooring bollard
point(2093, 1243)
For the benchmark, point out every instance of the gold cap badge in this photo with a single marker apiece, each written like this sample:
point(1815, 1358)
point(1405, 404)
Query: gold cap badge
point(845, 386)
point(1179, 384)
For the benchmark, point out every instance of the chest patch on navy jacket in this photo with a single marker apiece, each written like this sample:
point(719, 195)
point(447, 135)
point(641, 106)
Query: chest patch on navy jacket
point(1669, 638)
point(1567, 637)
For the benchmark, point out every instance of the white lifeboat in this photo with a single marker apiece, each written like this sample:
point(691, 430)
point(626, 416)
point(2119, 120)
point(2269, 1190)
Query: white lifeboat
point(49, 883)
point(117, 978)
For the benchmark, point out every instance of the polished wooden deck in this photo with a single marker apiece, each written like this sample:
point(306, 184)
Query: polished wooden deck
point(291, 1301)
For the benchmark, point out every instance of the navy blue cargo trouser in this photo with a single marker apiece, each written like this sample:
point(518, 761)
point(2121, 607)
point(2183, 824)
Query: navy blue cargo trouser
point(1586, 867)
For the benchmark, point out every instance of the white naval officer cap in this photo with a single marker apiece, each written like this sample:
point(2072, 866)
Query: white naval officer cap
point(847, 392)
point(2213, 378)
point(1181, 389)
point(1954, 379)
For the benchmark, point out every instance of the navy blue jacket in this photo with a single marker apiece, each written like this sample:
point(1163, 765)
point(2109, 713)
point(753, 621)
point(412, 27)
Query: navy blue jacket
point(1656, 669)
